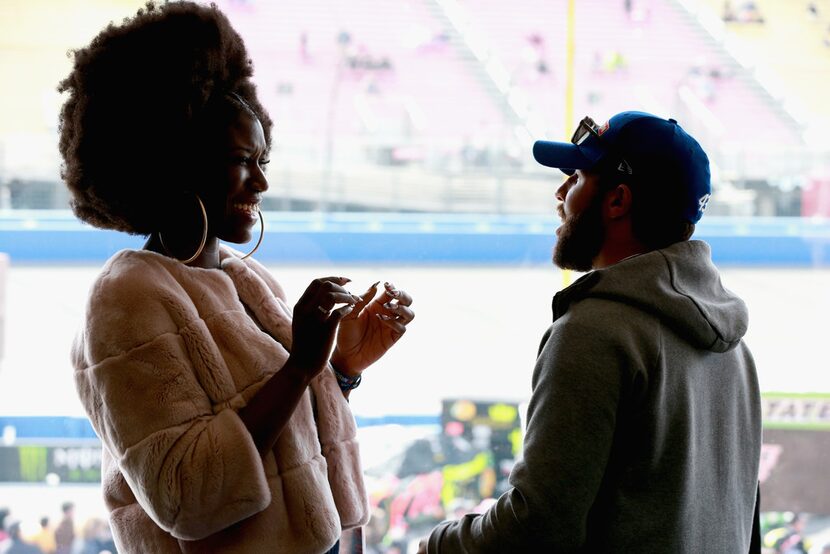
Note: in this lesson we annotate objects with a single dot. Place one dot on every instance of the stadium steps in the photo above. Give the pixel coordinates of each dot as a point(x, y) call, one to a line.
point(474, 63)
point(745, 76)
point(791, 45)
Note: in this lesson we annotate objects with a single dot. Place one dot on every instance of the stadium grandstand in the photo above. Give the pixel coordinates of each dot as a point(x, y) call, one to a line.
point(437, 101)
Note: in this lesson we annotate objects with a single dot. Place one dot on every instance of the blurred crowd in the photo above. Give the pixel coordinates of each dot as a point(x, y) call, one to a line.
point(402, 514)
point(65, 537)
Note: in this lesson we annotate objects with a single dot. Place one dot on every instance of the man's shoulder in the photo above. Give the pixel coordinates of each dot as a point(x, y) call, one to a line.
point(607, 315)
point(604, 327)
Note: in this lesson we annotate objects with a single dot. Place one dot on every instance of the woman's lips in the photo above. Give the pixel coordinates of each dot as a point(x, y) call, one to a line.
point(246, 212)
point(250, 209)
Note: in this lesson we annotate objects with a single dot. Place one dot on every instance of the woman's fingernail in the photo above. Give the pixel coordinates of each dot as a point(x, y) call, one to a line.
point(374, 286)
point(391, 290)
point(346, 279)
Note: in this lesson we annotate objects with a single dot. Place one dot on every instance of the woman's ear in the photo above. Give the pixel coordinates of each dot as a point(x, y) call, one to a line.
point(618, 201)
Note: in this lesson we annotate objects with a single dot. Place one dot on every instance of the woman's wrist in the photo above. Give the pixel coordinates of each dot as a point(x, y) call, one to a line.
point(299, 371)
point(339, 364)
point(346, 382)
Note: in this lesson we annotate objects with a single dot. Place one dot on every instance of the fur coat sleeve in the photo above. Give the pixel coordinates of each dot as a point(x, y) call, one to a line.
point(189, 460)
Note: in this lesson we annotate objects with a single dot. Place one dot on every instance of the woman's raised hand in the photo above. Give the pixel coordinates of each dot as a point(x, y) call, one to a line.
point(315, 321)
point(314, 328)
point(371, 328)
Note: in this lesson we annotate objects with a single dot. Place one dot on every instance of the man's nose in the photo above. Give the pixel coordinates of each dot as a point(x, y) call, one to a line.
point(562, 191)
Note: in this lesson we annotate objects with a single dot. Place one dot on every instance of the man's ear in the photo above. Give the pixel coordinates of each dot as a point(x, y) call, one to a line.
point(618, 201)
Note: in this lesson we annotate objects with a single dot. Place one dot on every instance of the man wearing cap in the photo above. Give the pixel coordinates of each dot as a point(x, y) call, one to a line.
point(644, 426)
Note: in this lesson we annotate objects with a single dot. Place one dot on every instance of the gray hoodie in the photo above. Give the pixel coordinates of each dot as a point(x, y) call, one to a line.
point(644, 426)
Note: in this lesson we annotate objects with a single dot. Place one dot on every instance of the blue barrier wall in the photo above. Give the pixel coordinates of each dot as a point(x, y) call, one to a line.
point(355, 238)
point(42, 428)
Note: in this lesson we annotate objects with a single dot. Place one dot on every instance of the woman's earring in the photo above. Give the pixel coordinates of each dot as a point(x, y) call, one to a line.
point(204, 235)
point(261, 234)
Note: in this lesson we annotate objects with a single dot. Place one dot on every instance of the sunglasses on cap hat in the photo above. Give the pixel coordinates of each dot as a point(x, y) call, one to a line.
point(588, 130)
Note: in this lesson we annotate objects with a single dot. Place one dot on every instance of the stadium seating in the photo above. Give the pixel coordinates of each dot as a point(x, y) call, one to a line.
point(792, 45)
point(321, 68)
point(624, 59)
point(424, 87)
point(355, 86)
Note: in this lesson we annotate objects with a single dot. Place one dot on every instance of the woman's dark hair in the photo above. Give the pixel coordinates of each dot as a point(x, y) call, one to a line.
point(657, 203)
point(146, 101)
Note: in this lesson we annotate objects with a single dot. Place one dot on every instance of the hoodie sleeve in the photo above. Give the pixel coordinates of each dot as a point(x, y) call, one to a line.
point(571, 423)
point(145, 365)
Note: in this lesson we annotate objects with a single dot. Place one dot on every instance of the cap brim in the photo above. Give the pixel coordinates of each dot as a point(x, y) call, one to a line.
point(561, 155)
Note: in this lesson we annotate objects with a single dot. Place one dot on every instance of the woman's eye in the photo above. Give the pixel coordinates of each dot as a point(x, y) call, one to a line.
point(247, 161)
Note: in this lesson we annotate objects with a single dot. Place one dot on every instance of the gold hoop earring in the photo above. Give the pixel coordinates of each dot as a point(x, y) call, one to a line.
point(204, 236)
point(261, 234)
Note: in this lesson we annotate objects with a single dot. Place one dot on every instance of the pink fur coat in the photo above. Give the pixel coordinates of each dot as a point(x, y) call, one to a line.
point(167, 357)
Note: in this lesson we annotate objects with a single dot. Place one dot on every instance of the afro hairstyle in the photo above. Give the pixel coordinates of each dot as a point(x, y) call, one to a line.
point(146, 99)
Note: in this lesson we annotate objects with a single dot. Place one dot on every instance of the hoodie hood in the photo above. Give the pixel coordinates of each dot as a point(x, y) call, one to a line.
point(678, 284)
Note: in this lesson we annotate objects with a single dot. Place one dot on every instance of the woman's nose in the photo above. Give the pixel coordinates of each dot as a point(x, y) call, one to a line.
point(259, 181)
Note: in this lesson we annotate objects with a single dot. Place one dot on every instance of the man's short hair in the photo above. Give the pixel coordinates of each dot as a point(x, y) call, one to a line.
point(657, 218)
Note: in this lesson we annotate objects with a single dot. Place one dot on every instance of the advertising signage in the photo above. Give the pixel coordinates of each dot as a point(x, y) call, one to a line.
point(795, 452)
point(50, 464)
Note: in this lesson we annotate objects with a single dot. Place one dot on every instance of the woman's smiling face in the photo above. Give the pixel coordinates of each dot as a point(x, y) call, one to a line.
point(245, 157)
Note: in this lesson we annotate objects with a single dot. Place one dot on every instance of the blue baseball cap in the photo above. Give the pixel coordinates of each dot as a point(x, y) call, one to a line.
point(637, 144)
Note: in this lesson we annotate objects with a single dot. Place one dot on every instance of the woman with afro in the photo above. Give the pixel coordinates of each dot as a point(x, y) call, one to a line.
point(223, 413)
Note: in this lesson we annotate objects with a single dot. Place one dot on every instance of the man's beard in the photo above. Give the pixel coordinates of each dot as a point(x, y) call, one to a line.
point(580, 238)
